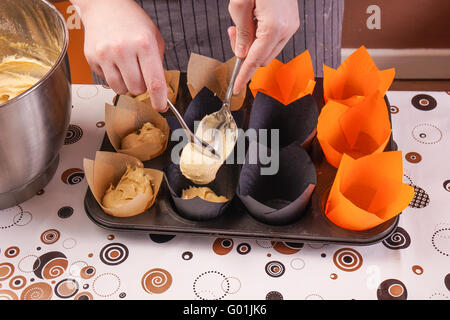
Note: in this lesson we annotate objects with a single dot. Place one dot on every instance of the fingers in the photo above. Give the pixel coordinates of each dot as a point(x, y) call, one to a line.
point(257, 57)
point(155, 81)
point(130, 70)
point(114, 78)
point(241, 11)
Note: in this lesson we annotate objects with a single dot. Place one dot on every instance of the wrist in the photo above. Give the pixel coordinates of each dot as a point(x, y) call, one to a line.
point(86, 6)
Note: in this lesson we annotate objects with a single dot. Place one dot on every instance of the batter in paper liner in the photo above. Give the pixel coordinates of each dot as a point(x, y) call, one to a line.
point(134, 182)
point(147, 134)
point(18, 74)
point(204, 193)
point(198, 164)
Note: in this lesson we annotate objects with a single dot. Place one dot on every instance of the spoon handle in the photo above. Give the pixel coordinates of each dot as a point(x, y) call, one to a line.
point(192, 137)
point(229, 93)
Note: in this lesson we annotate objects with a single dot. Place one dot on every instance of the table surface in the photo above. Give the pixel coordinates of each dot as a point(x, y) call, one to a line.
point(50, 249)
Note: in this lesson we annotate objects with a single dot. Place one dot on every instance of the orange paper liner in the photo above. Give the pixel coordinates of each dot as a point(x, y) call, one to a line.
point(357, 131)
point(357, 77)
point(285, 82)
point(368, 191)
point(107, 169)
point(128, 116)
point(207, 72)
point(173, 82)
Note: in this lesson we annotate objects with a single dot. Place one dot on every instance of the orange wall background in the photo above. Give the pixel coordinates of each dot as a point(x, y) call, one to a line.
point(79, 68)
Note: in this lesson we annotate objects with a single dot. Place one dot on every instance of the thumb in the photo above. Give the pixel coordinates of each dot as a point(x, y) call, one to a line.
point(242, 14)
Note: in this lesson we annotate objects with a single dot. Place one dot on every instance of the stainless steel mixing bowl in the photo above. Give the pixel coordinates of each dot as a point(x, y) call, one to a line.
point(33, 125)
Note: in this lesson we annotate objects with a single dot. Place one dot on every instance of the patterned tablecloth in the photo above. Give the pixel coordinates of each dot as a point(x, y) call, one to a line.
point(50, 249)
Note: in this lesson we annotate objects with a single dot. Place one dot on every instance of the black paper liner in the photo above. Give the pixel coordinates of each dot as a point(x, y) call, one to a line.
point(204, 103)
point(295, 122)
point(198, 209)
point(278, 199)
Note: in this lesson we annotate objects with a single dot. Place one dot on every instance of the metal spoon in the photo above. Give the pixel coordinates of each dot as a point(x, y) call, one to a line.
point(192, 137)
point(225, 121)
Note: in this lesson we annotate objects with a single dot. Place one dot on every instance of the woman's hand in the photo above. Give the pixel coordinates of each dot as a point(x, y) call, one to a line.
point(124, 47)
point(263, 27)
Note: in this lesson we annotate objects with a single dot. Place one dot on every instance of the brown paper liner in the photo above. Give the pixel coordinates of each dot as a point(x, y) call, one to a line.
point(368, 191)
point(173, 83)
point(107, 169)
point(357, 77)
point(357, 131)
point(128, 116)
point(207, 72)
point(285, 82)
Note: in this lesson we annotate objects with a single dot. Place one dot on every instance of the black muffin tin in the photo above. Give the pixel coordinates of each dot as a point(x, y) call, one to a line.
point(232, 219)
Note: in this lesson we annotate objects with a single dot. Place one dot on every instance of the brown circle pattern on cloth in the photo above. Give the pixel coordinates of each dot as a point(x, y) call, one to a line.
point(84, 296)
point(50, 236)
point(66, 288)
point(106, 284)
point(87, 272)
point(72, 176)
point(392, 289)
point(427, 133)
point(243, 248)
point(8, 295)
point(9, 217)
point(100, 124)
point(50, 265)
point(394, 109)
point(275, 269)
point(156, 281)
point(37, 291)
point(210, 285)
point(446, 185)
point(441, 234)
point(65, 212)
point(222, 246)
point(187, 255)
point(417, 270)
point(6, 270)
point(73, 134)
point(398, 240)
point(447, 281)
point(274, 295)
point(424, 102)
point(114, 253)
point(12, 252)
point(287, 247)
point(413, 157)
point(421, 198)
point(17, 282)
point(347, 259)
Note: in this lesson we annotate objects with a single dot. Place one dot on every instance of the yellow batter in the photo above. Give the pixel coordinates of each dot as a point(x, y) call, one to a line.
point(135, 181)
point(204, 192)
point(18, 74)
point(196, 163)
point(147, 134)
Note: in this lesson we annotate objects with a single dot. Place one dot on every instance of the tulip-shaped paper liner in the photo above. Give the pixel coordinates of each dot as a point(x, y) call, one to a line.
point(129, 116)
point(294, 122)
point(173, 83)
point(215, 75)
point(357, 77)
point(198, 209)
point(357, 131)
point(204, 103)
point(280, 198)
point(285, 82)
point(368, 191)
point(107, 169)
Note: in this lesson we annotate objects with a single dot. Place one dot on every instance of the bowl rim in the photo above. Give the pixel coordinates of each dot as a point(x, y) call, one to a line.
point(57, 63)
